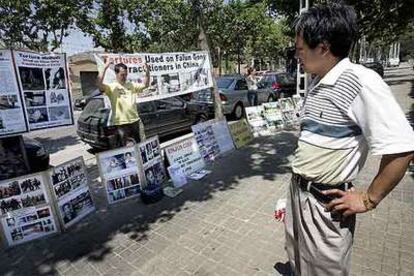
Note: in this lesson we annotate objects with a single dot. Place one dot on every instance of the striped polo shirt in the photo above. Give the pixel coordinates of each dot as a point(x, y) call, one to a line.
point(348, 112)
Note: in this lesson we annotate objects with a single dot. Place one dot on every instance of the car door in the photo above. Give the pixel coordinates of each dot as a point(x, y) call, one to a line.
point(240, 89)
point(148, 115)
point(263, 91)
point(171, 115)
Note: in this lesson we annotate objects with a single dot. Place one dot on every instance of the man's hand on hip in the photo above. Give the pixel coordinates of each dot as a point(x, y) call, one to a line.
point(346, 202)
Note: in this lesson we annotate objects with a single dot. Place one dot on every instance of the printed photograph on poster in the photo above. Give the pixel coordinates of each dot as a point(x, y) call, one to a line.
point(31, 78)
point(120, 173)
point(241, 133)
point(22, 193)
point(149, 150)
point(154, 175)
point(33, 99)
point(76, 208)
point(37, 115)
point(59, 113)
point(9, 102)
point(257, 122)
point(28, 226)
point(273, 115)
point(194, 79)
point(170, 83)
point(2, 126)
point(57, 98)
point(55, 78)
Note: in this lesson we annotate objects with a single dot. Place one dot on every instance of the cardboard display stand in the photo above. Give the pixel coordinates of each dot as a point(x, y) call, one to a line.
point(257, 122)
point(26, 209)
point(185, 155)
point(241, 133)
point(213, 138)
point(153, 170)
point(70, 190)
point(120, 172)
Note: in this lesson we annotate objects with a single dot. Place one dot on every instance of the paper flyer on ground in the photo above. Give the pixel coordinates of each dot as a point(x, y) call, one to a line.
point(12, 119)
point(152, 163)
point(171, 74)
point(186, 155)
point(241, 133)
point(119, 171)
point(25, 209)
point(44, 85)
point(70, 187)
point(257, 122)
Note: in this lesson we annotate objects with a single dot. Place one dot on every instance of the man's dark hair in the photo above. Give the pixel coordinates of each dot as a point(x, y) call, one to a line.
point(118, 67)
point(334, 24)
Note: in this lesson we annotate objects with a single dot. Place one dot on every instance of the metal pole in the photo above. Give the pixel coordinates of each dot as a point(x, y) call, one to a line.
point(302, 78)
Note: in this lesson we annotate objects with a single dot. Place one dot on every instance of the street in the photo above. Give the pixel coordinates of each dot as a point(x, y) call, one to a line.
point(221, 225)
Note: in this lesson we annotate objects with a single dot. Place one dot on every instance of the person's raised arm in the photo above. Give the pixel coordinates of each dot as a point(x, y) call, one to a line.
point(101, 76)
point(147, 75)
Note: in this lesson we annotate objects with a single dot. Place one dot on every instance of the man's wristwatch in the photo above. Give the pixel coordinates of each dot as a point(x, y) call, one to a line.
point(368, 203)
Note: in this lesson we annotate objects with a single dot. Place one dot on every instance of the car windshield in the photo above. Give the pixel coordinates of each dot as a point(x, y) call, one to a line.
point(93, 107)
point(224, 83)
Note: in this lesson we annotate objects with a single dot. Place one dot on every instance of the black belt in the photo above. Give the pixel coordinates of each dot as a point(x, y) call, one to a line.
point(316, 188)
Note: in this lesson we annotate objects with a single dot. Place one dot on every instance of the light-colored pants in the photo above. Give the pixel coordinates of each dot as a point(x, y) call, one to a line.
point(316, 244)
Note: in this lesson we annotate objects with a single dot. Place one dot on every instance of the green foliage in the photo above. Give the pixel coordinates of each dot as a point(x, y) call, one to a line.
point(38, 24)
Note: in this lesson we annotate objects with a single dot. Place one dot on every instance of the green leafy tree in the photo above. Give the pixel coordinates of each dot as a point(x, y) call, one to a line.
point(39, 25)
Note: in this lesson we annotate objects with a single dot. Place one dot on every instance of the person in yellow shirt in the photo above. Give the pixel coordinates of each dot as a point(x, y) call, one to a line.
point(123, 96)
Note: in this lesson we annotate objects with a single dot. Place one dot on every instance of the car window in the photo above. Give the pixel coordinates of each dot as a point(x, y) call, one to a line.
point(146, 107)
point(281, 78)
point(224, 82)
point(241, 85)
point(93, 108)
point(170, 103)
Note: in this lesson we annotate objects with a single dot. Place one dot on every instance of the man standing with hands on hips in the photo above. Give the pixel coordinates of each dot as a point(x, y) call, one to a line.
point(123, 97)
point(348, 111)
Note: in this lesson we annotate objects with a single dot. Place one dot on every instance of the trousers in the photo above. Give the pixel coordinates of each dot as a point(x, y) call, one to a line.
point(317, 243)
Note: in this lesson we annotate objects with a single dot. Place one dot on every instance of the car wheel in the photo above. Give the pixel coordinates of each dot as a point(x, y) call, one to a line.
point(271, 98)
point(238, 111)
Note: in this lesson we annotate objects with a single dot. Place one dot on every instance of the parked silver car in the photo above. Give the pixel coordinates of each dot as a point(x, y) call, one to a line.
point(234, 95)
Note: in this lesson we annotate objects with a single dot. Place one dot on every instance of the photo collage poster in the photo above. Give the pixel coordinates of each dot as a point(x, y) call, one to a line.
point(171, 74)
point(26, 212)
point(43, 80)
point(273, 115)
point(12, 118)
point(185, 155)
point(152, 163)
point(257, 122)
point(119, 171)
point(241, 133)
point(206, 140)
point(288, 112)
point(71, 191)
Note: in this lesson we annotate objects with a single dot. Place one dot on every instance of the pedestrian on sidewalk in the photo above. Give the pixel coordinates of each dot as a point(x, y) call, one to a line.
point(251, 86)
point(123, 97)
point(348, 111)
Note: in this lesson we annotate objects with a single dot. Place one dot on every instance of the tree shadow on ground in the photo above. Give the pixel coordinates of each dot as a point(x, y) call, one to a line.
point(94, 237)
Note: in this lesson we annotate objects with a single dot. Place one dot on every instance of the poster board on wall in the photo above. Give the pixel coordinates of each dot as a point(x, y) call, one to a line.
point(69, 183)
point(120, 172)
point(26, 209)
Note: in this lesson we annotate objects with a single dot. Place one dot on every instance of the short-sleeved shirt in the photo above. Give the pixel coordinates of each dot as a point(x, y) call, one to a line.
point(348, 112)
point(123, 100)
